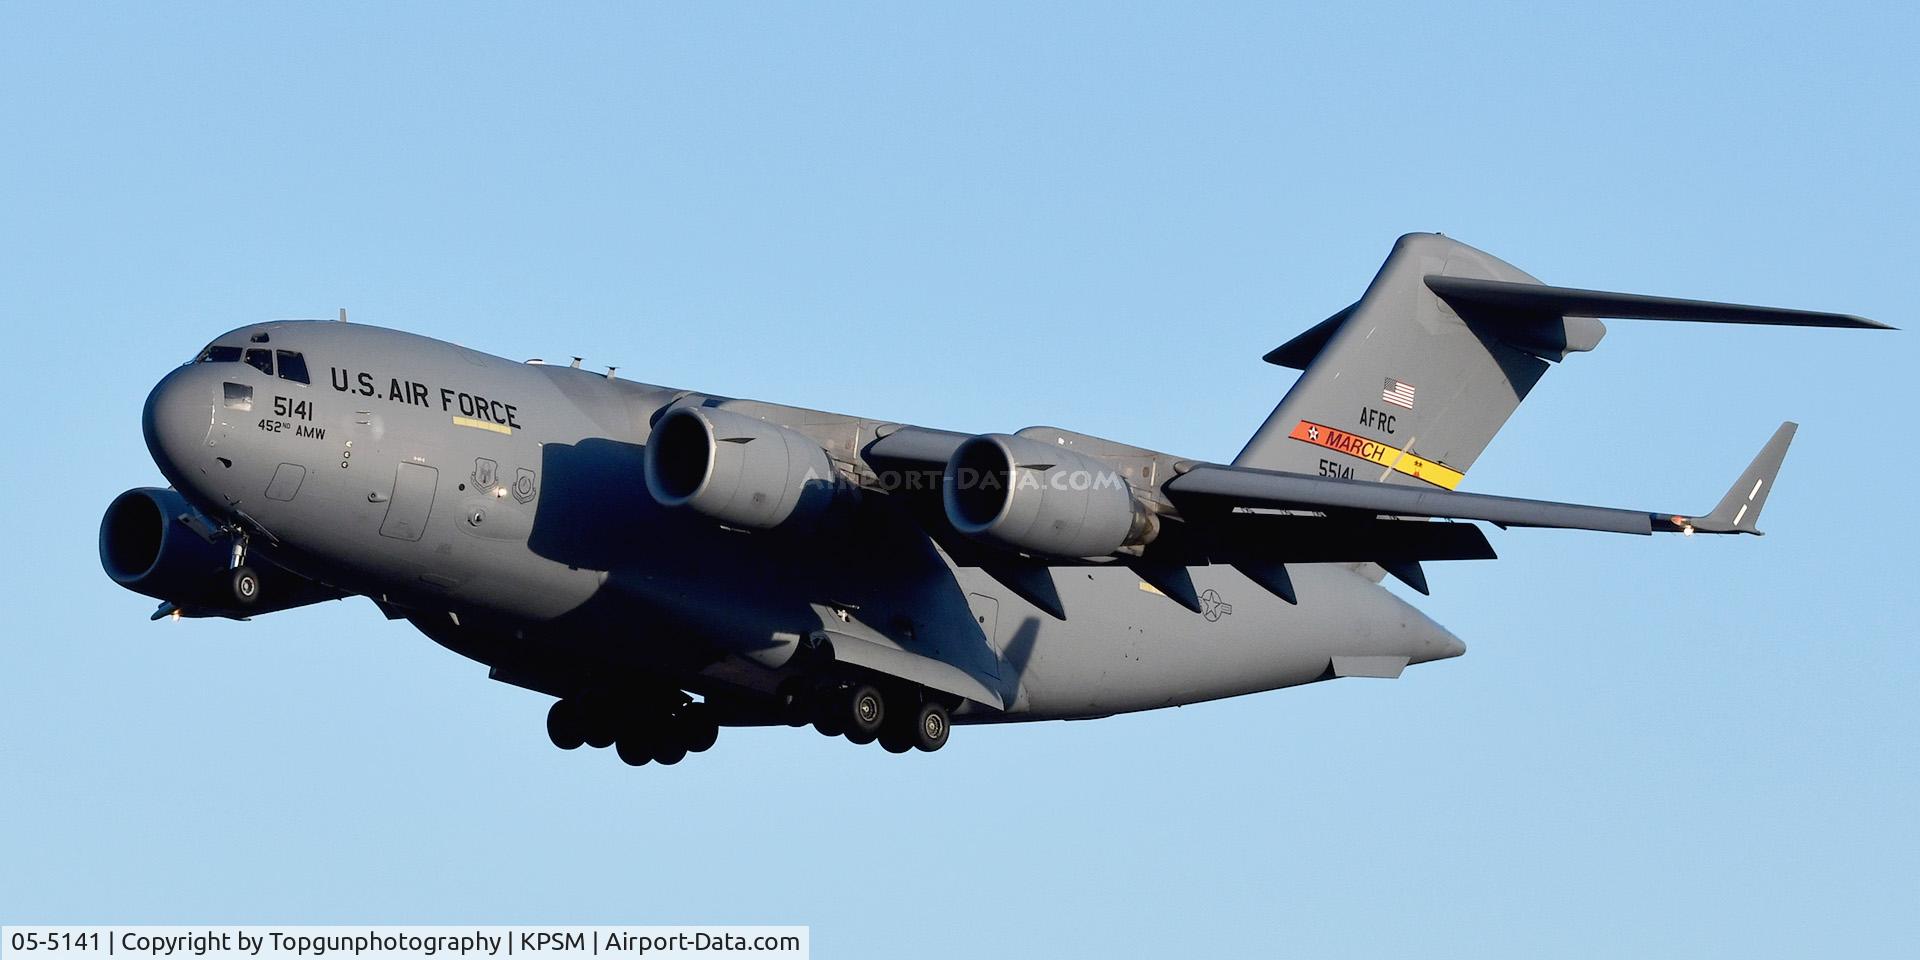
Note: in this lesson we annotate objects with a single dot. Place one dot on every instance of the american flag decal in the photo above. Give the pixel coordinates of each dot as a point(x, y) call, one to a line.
point(1397, 393)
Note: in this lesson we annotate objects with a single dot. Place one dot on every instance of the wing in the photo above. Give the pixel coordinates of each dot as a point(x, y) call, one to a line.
point(1211, 486)
point(1258, 521)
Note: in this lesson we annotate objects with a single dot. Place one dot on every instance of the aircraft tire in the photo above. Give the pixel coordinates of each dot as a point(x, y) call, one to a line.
point(246, 585)
point(635, 749)
point(931, 725)
point(669, 750)
point(895, 740)
point(598, 728)
point(564, 725)
point(865, 711)
point(698, 728)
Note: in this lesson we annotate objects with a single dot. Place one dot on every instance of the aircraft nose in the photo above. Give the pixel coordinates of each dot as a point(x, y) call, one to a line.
point(176, 421)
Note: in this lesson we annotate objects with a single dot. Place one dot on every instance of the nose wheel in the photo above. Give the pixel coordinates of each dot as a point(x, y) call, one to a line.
point(244, 580)
point(246, 586)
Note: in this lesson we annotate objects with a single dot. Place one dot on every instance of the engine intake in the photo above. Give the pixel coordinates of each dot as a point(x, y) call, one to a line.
point(1019, 493)
point(147, 549)
point(739, 470)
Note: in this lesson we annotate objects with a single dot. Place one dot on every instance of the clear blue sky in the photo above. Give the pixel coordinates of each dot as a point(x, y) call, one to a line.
point(972, 217)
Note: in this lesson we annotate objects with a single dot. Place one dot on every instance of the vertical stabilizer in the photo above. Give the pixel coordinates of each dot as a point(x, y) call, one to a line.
point(1399, 387)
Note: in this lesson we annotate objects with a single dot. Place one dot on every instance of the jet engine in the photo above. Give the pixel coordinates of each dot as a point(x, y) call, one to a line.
point(740, 471)
point(147, 547)
point(1040, 498)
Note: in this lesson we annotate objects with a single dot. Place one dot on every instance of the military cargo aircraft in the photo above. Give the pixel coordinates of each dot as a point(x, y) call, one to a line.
point(667, 562)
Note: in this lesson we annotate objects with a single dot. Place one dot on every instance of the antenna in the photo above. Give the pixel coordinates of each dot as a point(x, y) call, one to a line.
point(610, 369)
point(343, 315)
point(575, 364)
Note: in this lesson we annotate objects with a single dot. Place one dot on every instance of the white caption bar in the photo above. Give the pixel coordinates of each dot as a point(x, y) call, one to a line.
point(22, 942)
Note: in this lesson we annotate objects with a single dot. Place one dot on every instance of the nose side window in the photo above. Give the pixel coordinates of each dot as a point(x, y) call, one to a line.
point(219, 354)
point(293, 366)
point(261, 360)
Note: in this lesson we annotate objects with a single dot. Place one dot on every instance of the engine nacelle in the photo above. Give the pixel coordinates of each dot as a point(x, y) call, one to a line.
point(1041, 498)
point(147, 548)
point(739, 470)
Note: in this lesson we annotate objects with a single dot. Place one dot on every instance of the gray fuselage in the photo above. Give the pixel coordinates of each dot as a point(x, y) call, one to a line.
point(501, 506)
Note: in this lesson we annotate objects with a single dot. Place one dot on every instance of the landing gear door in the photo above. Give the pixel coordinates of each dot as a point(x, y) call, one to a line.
point(412, 501)
point(986, 613)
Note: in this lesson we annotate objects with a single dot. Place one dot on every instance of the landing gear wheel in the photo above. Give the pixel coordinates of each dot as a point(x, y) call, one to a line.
point(246, 586)
point(896, 740)
point(635, 749)
point(829, 713)
point(864, 710)
point(698, 728)
point(930, 727)
point(669, 750)
point(598, 728)
point(564, 725)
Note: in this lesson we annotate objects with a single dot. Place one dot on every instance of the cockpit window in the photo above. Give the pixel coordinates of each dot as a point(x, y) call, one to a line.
point(238, 396)
point(220, 354)
point(261, 360)
point(293, 366)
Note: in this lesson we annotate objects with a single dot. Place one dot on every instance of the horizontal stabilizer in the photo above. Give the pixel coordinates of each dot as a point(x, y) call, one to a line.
point(1527, 300)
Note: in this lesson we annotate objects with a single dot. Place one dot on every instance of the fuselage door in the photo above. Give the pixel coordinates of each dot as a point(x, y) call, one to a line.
point(412, 501)
point(986, 613)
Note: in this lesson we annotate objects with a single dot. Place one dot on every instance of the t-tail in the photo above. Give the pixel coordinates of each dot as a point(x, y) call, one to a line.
point(1410, 383)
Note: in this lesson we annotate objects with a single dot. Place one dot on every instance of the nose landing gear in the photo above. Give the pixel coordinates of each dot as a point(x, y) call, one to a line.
point(244, 581)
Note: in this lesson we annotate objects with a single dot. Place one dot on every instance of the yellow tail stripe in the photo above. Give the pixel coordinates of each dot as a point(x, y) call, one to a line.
point(1340, 441)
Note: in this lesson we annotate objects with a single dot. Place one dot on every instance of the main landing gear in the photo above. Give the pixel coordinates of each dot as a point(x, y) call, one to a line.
point(645, 729)
point(640, 732)
point(900, 719)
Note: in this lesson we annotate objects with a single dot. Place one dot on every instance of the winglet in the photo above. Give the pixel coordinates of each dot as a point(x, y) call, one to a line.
point(1739, 510)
